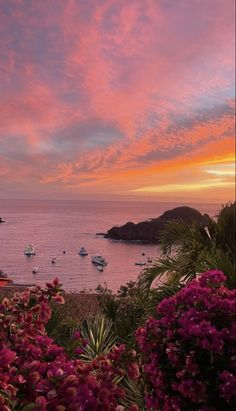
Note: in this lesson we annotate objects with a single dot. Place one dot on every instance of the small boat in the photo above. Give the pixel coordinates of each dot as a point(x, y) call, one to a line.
point(35, 270)
point(98, 260)
point(140, 263)
point(149, 260)
point(4, 280)
point(64, 251)
point(29, 250)
point(100, 267)
point(83, 252)
point(2, 220)
point(143, 253)
point(53, 261)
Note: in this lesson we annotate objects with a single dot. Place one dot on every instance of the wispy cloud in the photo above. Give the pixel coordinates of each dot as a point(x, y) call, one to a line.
point(110, 95)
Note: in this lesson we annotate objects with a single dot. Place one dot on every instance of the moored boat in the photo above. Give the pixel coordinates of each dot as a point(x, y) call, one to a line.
point(83, 252)
point(142, 263)
point(98, 260)
point(29, 250)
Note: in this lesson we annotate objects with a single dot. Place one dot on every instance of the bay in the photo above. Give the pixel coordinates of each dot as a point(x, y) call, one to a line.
point(57, 225)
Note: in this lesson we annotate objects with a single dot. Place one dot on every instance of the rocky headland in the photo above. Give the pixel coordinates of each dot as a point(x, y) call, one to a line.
point(149, 231)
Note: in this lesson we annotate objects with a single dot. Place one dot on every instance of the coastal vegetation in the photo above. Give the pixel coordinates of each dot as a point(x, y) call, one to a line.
point(188, 249)
point(182, 358)
point(163, 343)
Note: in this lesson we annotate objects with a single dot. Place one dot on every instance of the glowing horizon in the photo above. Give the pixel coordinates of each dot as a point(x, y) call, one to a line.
point(117, 99)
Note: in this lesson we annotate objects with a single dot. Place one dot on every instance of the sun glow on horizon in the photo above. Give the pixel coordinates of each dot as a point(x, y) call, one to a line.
point(166, 188)
point(226, 169)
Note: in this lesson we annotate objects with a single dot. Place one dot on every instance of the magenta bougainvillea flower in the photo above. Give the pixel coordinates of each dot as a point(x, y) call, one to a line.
point(187, 356)
point(189, 348)
point(36, 374)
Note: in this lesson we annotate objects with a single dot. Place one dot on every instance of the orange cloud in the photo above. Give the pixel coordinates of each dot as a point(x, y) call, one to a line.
point(113, 96)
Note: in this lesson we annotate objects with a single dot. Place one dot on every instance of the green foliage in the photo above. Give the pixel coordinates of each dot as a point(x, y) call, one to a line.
point(66, 318)
point(129, 289)
point(135, 393)
point(188, 249)
point(124, 314)
point(128, 309)
point(100, 338)
point(54, 322)
point(226, 230)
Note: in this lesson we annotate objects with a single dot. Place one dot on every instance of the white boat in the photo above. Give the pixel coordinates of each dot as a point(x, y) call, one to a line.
point(100, 267)
point(98, 260)
point(140, 263)
point(82, 251)
point(29, 250)
point(35, 270)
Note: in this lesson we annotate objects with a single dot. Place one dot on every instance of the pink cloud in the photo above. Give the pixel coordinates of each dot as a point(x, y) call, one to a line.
point(157, 76)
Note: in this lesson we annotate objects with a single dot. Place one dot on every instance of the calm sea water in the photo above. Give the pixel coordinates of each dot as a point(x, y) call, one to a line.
point(54, 226)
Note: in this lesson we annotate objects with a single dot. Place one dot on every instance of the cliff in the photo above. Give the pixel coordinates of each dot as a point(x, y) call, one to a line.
point(149, 231)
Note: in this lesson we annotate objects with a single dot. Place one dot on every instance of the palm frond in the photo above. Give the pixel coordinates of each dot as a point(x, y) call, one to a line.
point(226, 229)
point(181, 267)
point(180, 235)
point(134, 393)
point(191, 248)
point(216, 258)
point(99, 336)
point(56, 319)
point(160, 268)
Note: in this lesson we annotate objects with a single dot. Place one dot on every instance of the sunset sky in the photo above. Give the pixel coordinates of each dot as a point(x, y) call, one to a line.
point(117, 99)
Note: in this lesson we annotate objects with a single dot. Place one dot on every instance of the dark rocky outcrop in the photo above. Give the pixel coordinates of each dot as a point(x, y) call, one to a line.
point(149, 231)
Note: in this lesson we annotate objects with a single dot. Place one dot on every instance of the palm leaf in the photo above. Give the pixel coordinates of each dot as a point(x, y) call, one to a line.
point(222, 261)
point(160, 268)
point(190, 248)
point(99, 336)
point(56, 319)
point(180, 235)
point(226, 229)
point(134, 393)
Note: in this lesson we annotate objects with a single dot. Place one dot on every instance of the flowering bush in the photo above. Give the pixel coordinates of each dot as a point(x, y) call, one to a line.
point(36, 374)
point(189, 349)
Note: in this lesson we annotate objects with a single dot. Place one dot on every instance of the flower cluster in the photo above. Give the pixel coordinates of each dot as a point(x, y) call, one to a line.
point(36, 374)
point(189, 348)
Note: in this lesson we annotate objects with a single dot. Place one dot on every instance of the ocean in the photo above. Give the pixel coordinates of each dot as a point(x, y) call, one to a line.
point(57, 225)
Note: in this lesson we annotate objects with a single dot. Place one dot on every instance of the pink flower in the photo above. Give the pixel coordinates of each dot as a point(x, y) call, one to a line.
point(59, 299)
point(133, 407)
point(45, 312)
point(6, 357)
point(77, 335)
point(56, 282)
point(133, 371)
point(189, 354)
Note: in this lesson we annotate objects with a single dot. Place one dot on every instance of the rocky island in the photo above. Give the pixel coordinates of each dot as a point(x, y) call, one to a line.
point(148, 231)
